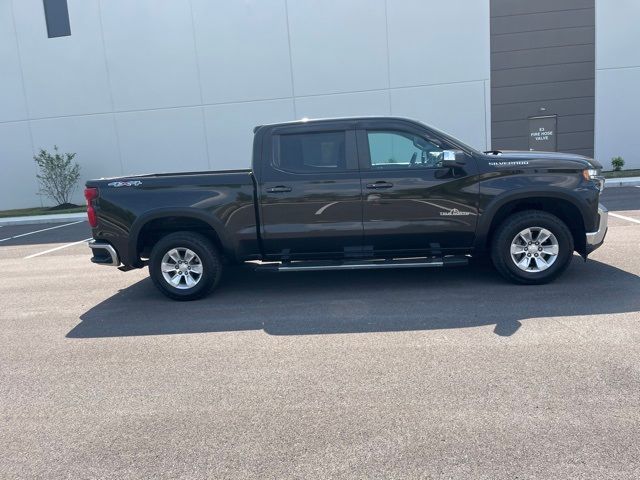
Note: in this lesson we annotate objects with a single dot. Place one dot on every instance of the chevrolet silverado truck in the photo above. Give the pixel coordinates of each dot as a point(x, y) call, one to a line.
point(351, 193)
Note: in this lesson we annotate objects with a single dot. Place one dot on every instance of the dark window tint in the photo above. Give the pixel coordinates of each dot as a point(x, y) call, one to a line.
point(56, 14)
point(311, 152)
point(402, 150)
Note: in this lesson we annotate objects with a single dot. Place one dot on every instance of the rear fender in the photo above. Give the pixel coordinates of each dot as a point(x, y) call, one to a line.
point(141, 221)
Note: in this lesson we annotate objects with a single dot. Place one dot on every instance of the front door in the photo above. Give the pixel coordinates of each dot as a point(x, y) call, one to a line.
point(411, 203)
point(310, 194)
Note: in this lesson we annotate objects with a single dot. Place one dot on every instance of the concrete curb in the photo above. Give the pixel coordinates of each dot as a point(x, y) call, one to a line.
point(37, 219)
point(622, 182)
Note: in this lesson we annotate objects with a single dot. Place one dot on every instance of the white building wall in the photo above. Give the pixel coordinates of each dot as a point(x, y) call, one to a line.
point(158, 85)
point(617, 82)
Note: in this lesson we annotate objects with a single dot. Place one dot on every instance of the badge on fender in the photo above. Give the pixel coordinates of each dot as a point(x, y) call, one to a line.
point(130, 183)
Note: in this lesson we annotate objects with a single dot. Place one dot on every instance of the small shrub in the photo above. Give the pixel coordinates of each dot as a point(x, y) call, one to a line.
point(57, 175)
point(617, 163)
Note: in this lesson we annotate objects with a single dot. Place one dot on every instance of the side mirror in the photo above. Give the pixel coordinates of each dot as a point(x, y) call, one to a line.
point(453, 158)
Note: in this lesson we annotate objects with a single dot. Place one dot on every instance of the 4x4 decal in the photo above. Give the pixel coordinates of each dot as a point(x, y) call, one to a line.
point(131, 183)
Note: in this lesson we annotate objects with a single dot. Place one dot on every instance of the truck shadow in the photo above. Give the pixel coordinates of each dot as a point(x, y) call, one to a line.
point(361, 302)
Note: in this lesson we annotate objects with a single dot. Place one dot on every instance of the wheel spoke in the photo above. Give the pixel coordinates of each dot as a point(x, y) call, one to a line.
point(168, 267)
point(517, 249)
point(526, 235)
point(189, 280)
point(543, 235)
point(197, 268)
point(541, 263)
point(175, 280)
point(524, 262)
point(188, 255)
point(550, 249)
point(175, 256)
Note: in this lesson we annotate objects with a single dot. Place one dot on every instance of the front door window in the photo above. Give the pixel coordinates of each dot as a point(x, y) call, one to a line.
point(391, 150)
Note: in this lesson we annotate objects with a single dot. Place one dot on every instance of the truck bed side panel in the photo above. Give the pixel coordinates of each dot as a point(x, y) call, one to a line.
point(224, 201)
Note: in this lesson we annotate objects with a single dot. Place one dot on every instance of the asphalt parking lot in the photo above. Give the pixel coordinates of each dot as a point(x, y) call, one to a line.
point(388, 374)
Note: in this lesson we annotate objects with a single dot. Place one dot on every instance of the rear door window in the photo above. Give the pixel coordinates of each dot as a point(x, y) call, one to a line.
point(314, 152)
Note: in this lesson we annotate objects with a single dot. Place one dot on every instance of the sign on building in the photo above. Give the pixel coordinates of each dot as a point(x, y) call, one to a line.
point(542, 133)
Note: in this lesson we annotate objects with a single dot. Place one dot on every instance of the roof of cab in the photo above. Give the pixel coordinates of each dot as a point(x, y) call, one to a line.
point(332, 119)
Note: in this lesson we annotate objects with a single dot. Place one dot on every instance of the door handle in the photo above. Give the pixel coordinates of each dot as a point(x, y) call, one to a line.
point(380, 184)
point(279, 189)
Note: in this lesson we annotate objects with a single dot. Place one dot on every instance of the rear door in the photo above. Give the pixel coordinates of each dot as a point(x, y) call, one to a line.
point(310, 193)
point(411, 203)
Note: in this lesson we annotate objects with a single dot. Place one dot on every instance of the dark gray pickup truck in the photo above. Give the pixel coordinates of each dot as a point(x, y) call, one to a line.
point(375, 192)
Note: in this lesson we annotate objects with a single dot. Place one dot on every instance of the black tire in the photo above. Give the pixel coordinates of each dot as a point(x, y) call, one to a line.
point(209, 259)
point(507, 231)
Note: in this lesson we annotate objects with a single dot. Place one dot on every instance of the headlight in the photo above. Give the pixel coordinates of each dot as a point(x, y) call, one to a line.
point(591, 174)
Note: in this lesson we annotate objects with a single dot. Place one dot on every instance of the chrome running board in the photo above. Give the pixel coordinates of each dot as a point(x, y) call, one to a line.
point(305, 266)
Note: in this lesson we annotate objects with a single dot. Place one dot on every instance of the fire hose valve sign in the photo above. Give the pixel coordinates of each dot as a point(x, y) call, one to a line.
point(542, 133)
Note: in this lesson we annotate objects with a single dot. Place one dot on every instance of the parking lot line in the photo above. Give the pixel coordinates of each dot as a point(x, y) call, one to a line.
point(57, 248)
point(42, 230)
point(622, 217)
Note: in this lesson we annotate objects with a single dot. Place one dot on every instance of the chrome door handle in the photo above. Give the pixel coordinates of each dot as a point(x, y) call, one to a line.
point(378, 185)
point(279, 189)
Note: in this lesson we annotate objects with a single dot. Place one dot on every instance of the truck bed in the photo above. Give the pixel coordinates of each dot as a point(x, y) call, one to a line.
point(130, 207)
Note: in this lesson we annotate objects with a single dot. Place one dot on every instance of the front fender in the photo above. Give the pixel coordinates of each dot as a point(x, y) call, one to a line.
point(584, 200)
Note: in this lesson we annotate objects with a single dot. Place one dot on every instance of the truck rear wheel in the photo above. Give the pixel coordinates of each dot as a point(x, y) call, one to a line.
point(185, 265)
point(532, 247)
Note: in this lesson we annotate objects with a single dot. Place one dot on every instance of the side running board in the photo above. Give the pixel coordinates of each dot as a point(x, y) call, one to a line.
point(419, 262)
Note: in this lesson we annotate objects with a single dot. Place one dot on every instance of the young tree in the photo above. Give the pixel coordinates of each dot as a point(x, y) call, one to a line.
point(57, 175)
point(617, 163)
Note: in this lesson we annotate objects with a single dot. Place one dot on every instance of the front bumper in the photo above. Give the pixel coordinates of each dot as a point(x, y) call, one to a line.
point(104, 253)
point(595, 239)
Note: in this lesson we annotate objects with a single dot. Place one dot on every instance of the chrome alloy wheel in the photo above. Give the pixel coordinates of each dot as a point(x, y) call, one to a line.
point(181, 268)
point(534, 249)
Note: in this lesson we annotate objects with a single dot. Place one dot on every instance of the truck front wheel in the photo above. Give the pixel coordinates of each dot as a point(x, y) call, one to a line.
point(185, 265)
point(532, 247)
